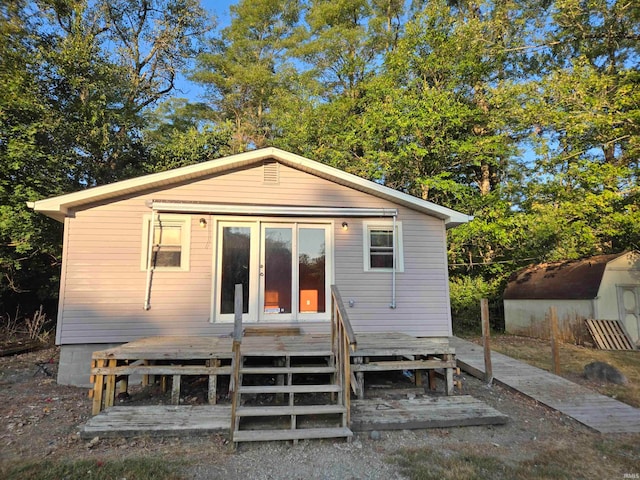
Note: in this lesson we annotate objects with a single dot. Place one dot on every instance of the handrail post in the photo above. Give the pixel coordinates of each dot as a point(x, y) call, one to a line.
point(237, 340)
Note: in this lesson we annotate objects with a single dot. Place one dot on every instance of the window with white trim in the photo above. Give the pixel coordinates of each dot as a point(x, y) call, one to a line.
point(379, 246)
point(171, 242)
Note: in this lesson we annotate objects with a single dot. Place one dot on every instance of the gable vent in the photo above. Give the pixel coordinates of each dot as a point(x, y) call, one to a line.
point(271, 172)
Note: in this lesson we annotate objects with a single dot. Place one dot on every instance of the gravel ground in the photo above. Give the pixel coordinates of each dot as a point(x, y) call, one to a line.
point(41, 419)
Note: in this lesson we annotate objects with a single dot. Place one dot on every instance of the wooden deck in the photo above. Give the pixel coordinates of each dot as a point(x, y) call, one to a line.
point(158, 420)
point(599, 412)
point(208, 348)
point(417, 413)
point(172, 357)
point(370, 414)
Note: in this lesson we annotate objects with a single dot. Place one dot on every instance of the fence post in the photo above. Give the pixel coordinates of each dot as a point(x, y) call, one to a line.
point(555, 346)
point(486, 331)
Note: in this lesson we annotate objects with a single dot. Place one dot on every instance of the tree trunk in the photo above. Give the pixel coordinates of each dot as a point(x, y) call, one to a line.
point(485, 179)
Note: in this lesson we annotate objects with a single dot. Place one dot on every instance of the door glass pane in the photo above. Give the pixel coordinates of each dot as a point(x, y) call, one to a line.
point(236, 249)
point(311, 268)
point(277, 270)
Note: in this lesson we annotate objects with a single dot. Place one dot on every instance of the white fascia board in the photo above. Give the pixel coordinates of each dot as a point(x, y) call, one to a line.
point(57, 207)
point(53, 205)
point(269, 210)
point(451, 217)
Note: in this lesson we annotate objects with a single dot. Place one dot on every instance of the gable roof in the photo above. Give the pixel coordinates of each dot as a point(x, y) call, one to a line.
point(58, 207)
point(569, 280)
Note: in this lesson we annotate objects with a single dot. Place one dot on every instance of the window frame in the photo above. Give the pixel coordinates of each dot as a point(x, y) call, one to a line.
point(184, 222)
point(398, 248)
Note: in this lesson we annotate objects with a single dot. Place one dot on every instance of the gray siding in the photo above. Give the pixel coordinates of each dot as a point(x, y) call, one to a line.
point(103, 287)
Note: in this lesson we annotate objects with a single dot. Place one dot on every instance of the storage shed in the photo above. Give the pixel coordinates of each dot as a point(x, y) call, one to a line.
point(604, 287)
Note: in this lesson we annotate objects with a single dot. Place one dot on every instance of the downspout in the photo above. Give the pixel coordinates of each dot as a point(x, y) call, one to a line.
point(393, 270)
point(152, 231)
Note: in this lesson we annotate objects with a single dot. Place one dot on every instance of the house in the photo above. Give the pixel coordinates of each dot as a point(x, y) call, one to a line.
point(159, 255)
point(604, 287)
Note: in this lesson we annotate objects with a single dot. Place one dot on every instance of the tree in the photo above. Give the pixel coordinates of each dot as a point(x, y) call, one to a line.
point(588, 115)
point(178, 135)
point(247, 66)
point(76, 79)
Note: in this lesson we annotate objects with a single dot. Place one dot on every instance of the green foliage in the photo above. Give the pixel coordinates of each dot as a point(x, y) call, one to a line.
point(245, 68)
point(179, 134)
point(75, 80)
point(466, 293)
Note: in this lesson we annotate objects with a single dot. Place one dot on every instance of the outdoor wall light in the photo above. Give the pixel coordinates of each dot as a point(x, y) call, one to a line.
point(345, 226)
point(203, 223)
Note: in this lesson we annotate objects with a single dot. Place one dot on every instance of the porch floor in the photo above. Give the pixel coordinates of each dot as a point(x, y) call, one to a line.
point(208, 348)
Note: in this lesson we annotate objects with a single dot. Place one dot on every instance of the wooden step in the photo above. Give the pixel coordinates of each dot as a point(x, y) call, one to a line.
point(290, 410)
point(277, 353)
point(402, 365)
point(299, 434)
point(288, 388)
point(284, 370)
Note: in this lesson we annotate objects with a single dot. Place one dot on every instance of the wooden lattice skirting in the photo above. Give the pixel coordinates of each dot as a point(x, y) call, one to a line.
point(609, 335)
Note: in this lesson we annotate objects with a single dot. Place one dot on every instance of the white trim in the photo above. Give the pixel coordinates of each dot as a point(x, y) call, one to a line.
point(59, 207)
point(183, 221)
point(366, 242)
point(63, 280)
point(256, 286)
point(269, 210)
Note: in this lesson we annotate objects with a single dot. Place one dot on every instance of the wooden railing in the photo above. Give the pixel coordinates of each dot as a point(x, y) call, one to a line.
point(234, 381)
point(343, 341)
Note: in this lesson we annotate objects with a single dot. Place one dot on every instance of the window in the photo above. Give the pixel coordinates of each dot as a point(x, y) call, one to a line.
point(171, 241)
point(379, 246)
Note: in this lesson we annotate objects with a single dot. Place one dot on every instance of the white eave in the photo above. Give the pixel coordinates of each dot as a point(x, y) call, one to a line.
point(58, 207)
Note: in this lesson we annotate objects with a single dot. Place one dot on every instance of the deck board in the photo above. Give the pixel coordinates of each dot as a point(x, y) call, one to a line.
point(599, 412)
point(206, 348)
point(370, 414)
point(428, 412)
point(159, 420)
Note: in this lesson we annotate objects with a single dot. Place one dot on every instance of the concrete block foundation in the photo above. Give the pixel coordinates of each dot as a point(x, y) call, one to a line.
point(74, 367)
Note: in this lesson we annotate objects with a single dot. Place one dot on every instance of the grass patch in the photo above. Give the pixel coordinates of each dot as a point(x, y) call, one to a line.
point(601, 458)
point(130, 468)
point(429, 464)
point(573, 358)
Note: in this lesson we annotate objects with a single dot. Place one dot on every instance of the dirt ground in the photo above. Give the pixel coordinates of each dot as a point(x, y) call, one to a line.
point(41, 420)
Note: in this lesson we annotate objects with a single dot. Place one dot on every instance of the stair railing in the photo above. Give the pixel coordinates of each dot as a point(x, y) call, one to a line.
point(343, 341)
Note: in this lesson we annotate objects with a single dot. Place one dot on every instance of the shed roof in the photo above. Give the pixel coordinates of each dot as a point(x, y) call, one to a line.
point(58, 207)
point(568, 280)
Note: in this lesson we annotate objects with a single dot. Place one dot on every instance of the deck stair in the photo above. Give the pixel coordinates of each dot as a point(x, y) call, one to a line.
point(291, 396)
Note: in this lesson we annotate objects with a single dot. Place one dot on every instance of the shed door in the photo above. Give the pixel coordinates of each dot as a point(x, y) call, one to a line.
point(629, 308)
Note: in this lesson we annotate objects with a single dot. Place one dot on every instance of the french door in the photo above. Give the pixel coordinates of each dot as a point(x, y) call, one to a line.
point(285, 270)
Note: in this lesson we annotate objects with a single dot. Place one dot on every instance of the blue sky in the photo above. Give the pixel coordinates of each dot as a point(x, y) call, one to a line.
point(220, 10)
